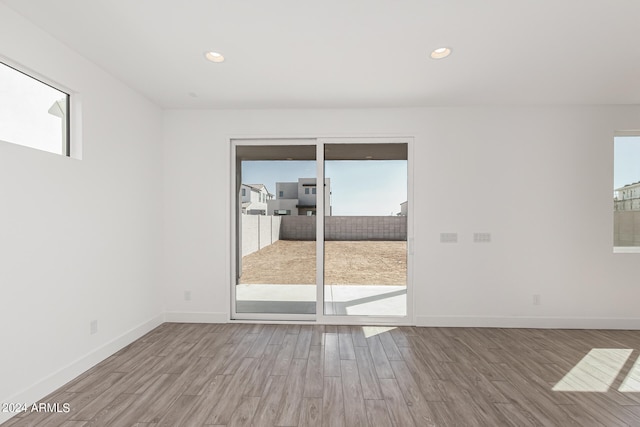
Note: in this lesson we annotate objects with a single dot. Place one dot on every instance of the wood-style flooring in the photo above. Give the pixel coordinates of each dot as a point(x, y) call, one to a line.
point(315, 375)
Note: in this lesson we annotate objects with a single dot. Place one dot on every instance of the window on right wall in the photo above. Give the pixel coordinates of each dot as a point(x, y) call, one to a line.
point(626, 192)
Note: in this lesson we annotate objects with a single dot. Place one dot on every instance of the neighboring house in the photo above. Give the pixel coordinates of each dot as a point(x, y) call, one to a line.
point(59, 109)
point(299, 198)
point(627, 198)
point(403, 209)
point(254, 199)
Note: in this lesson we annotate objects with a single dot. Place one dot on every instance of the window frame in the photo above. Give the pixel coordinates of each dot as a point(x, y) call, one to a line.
point(66, 149)
point(626, 195)
point(234, 236)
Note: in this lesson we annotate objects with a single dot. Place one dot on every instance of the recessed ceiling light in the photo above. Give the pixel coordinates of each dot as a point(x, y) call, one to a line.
point(368, 157)
point(214, 56)
point(441, 52)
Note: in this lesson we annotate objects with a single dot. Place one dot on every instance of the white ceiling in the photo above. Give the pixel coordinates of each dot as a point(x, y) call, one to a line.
point(356, 53)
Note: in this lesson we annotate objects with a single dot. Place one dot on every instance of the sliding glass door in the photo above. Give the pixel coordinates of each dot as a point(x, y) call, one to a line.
point(320, 230)
point(275, 231)
point(365, 233)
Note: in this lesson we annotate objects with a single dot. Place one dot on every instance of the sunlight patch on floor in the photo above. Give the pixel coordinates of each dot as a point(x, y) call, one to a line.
point(596, 371)
point(370, 331)
point(631, 383)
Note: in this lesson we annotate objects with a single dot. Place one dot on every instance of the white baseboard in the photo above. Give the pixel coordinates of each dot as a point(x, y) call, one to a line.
point(58, 379)
point(528, 322)
point(195, 317)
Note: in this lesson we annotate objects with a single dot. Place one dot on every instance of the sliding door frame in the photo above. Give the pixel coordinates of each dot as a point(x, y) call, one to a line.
point(235, 230)
point(320, 317)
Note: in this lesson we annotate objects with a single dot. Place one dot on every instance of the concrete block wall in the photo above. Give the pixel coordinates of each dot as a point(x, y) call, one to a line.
point(272, 224)
point(295, 227)
point(259, 231)
point(626, 228)
point(346, 228)
point(365, 228)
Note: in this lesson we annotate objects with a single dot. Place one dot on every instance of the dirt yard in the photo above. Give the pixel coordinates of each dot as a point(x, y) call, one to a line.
point(346, 263)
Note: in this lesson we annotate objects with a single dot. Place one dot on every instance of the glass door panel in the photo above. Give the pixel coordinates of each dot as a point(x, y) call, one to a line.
point(276, 230)
point(365, 229)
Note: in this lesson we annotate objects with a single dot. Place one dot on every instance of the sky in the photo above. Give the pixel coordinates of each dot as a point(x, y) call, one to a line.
point(365, 187)
point(626, 160)
point(24, 112)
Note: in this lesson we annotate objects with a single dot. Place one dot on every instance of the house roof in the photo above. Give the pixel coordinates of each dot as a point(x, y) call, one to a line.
point(628, 186)
point(364, 53)
point(258, 187)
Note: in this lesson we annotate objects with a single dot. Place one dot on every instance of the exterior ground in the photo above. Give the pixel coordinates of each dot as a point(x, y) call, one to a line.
point(346, 263)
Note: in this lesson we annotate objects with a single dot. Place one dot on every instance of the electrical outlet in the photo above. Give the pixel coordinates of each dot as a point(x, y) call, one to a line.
point(93, 327)
point(482, 237)
point(187, 295)
point(536, 299)
point(448, 237)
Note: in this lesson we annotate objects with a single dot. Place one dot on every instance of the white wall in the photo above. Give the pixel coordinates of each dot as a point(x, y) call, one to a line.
point(541, 243)
point(79, 239)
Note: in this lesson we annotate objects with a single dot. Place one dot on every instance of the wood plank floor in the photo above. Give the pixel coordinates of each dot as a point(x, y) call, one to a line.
point(315, 375)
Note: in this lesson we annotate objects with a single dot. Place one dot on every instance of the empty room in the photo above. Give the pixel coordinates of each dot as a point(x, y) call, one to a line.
point(289, 213)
